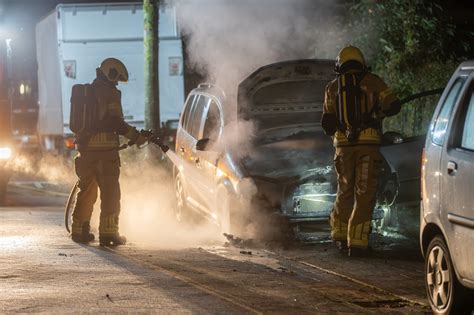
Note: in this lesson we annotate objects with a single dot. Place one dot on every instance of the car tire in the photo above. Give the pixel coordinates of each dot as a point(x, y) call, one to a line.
point(445, 294)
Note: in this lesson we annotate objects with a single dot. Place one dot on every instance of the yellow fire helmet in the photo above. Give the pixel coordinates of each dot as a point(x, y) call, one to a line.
point(114, 70)
point(349, 53)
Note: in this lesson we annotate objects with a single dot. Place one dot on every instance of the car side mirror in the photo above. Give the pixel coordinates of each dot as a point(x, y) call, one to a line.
point(202, 144)
point(392, 137)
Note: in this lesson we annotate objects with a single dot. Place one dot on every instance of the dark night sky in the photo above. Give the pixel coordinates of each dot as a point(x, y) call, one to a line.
point(20, 17)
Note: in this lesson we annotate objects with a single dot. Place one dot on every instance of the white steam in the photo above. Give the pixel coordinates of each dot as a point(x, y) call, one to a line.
point(148, 217)
point(54, 169)
point(228, 39)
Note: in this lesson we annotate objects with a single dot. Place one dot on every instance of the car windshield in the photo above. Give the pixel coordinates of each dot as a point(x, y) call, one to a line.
point(414, 118)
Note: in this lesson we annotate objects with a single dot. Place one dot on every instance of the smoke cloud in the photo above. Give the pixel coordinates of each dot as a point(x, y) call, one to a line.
point(54, 169)
point(227, 40)
point(148, 204)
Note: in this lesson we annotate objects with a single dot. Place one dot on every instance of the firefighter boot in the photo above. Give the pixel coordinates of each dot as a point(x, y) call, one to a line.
point(108, 230)
point(112, 240)
point(338, 232)
point(342, 246)
point(85, 236)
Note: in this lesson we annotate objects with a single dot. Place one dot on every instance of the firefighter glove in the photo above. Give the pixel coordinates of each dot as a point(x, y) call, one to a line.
point(140, 139)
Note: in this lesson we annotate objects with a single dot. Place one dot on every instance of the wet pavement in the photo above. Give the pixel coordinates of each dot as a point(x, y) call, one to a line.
point(41, 270)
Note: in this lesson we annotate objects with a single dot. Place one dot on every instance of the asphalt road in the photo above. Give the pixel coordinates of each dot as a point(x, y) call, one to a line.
point(42, 270)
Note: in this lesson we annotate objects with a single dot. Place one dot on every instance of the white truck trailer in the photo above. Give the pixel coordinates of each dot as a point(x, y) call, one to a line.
point(75, 38)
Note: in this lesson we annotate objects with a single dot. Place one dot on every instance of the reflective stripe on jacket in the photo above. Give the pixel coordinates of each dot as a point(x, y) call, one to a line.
point(380, 101)
point(109, 102)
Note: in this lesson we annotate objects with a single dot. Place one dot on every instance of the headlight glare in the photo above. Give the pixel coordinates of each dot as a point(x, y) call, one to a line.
point(5, 153)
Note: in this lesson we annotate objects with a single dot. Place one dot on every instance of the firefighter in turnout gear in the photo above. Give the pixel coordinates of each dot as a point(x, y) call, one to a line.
point(355, 104)
point(98, 163)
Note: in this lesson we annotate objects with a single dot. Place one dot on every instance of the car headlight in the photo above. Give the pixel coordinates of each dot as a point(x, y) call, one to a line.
point(5, 153)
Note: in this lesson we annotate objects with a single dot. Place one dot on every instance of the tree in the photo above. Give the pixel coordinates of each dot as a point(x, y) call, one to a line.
point(415, 46)
point(151, 49)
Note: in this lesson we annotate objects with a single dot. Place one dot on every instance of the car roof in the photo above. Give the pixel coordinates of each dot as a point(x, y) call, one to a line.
point(209, 88)
point(466, 66)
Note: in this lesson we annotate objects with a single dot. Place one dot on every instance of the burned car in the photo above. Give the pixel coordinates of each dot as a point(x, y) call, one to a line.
point(284, 164)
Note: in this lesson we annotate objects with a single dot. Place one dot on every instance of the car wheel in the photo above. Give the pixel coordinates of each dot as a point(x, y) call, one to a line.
point(445, 294)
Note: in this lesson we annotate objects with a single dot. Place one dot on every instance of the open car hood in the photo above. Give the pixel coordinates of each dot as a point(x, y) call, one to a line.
point(293, 159)
point(285, 101)
point(289, 92)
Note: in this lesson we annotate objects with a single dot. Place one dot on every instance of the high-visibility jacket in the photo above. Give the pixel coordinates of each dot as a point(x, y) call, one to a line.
point(377, 98)
point(109, 105)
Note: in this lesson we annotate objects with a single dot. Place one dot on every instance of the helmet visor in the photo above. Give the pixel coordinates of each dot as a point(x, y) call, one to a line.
point(122, 78)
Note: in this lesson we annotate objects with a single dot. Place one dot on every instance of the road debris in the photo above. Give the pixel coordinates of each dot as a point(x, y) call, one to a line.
point(109, 298)
point(239, 242)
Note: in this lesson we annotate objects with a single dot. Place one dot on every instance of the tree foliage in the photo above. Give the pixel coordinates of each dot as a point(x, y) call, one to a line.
point(415, 46)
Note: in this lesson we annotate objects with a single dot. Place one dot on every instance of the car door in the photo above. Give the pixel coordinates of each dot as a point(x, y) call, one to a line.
point(193, 177)
point(207, 158)
point(182, 135)
point(457, 173)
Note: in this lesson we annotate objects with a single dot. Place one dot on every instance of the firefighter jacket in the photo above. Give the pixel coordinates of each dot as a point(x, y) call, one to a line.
point(377, 99)
point(109, 104)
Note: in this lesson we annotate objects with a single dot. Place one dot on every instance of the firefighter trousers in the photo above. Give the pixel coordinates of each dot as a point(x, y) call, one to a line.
point(97, 170)
point(358, 169)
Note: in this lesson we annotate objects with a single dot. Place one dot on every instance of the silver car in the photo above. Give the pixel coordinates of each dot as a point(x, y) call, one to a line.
point(447, 207)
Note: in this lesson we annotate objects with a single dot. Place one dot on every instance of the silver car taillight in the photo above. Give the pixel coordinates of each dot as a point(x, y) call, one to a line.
point(424, 160)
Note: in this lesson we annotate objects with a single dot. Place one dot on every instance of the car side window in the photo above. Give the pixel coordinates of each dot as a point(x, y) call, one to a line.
point(195, 121)
point(441, 123)
point(187, 110)
point(467, 140)
point(212, 124)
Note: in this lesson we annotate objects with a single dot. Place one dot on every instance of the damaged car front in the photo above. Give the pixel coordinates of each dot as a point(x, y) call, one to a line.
point(291, 162)
point(278, 160)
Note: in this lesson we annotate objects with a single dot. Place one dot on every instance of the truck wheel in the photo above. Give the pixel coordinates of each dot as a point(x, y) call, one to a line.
point(445, 294)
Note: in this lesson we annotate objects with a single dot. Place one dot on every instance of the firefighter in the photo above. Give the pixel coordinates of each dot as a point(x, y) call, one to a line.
point(355, 104)
point(98, 163)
